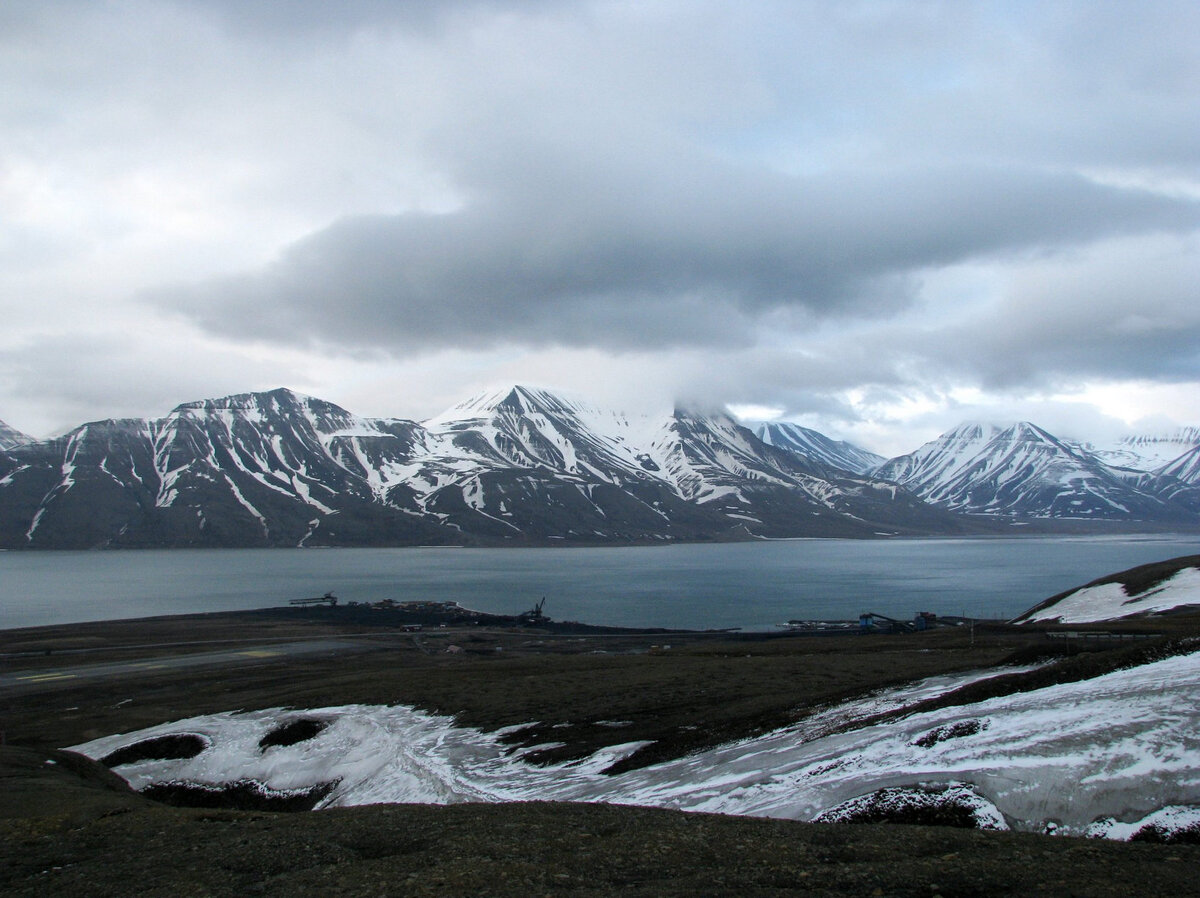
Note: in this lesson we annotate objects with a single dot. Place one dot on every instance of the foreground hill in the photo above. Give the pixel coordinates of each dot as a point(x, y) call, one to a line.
point(1149, 589)
point(518, 466)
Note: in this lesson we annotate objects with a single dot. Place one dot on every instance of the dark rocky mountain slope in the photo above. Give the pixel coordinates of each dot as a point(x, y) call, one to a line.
point(518, 466)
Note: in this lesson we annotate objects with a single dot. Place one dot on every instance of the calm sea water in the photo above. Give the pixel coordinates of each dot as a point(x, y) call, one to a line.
point(749, 585)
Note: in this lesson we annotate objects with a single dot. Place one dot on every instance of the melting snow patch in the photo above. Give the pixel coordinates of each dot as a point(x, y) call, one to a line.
point(1172, 825)
point(1126, 743)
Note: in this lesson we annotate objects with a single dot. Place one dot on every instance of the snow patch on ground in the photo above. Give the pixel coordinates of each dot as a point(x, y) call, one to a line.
point(1110, 601)
point(1175, 823)
point(1120, 747)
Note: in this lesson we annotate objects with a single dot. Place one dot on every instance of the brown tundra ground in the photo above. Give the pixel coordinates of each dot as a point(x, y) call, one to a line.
point(71, 827)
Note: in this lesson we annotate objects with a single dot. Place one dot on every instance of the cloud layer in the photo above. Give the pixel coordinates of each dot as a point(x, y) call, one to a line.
point(843, 210)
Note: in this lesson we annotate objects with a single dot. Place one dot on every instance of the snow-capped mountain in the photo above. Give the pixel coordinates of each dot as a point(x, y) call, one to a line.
point(1146, 452)
point(10, 436)
point(253, 469)
point(527, 467)
point(1177, 482)
point(1024, 471)
point(516, 465)
point(817, 446)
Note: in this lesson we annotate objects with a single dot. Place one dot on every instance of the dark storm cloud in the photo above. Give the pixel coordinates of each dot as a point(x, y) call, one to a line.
point(639, 263)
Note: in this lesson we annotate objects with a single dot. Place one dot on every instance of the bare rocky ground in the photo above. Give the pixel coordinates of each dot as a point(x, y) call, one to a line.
point(71, 827)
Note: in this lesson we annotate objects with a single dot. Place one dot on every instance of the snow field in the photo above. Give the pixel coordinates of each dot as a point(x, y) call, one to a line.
point(1110, 601)
point(1095, 757)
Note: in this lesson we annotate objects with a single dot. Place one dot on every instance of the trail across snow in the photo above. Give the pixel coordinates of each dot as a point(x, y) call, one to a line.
point(1095, 756)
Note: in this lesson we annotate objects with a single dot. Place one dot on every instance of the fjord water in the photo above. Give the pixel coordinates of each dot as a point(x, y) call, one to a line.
point(748, 585)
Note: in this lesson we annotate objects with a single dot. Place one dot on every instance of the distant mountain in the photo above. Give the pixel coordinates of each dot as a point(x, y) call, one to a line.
point(521, 466)
point(1023, 471)
point(817, 446)
point(1178, 481)
point(1146, 452)
point(248, 470)
point(516, 466)
point(10, 436)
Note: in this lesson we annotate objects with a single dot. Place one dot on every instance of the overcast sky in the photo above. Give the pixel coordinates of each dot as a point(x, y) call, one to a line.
point(877, 219)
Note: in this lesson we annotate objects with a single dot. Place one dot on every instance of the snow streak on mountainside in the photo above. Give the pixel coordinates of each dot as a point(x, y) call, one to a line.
point(817, 446)
point(514, 466)
point(1024, 471)
point(10, 436)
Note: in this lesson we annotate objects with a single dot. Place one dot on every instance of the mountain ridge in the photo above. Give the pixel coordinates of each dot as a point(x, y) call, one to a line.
point(518, 466)
point(526, 466)
point(1025, 471)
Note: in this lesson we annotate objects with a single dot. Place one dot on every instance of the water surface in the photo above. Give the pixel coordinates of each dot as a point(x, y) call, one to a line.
point(749, 585)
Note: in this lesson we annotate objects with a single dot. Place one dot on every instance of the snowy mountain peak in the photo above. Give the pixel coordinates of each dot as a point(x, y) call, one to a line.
point(942, 458)
point(514, 399)
point(1024, 471)
point(274, 408)
point(974, 431)
point(1184, 435)
point(1186, 467)
point(276, 398)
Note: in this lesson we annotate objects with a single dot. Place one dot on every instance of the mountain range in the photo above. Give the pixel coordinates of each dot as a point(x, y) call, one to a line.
point(522, 466)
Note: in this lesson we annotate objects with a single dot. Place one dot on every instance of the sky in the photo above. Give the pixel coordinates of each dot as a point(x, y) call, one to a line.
point(877, 219)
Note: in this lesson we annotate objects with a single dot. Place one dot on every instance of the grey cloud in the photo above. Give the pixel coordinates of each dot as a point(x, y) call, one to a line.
point(1126, 309)
point(51, 384)
point(633, 263)
point(300, 18)
point(765, 188)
